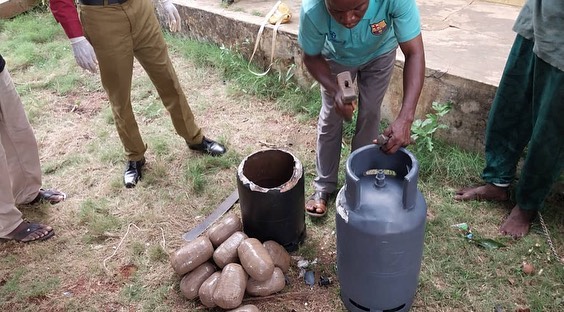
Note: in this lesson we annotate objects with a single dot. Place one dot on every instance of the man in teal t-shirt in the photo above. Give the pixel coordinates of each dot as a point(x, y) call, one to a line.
point(359, 36)
point(527, 113)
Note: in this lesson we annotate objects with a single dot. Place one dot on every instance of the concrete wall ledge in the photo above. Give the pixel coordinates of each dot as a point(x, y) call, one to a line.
point(11, 8)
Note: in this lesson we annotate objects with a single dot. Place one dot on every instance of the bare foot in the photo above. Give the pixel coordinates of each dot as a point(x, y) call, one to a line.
point(518, 222)
point(484, 192)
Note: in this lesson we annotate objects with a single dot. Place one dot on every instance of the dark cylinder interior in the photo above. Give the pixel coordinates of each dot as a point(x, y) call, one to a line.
point(269, 169)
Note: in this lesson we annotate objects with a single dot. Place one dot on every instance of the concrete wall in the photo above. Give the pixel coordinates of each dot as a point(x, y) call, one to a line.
point(518, 3)
point(467, 119)
point(11, 8)
point(472, 99)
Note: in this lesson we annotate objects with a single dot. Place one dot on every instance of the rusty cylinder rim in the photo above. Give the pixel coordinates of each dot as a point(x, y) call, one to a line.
point(288, 185)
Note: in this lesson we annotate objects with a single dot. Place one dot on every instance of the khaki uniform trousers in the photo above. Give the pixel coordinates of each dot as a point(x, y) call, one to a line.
point(372, 79)
point(20, 171)
point(118, 33)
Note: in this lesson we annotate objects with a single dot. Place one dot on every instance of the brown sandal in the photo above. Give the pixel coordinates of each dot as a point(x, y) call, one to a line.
point(48, 195)
point(30, 232)
point(316, 205)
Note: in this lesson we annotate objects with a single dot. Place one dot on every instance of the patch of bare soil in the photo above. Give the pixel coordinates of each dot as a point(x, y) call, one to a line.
point(84, 105)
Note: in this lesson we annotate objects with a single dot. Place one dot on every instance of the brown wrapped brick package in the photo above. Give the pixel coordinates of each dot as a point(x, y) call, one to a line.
point(255, 259)
point(246, 308)
point(225, 228)
point(279, 255)
point(273, 285)
point(227, 252)
point(206, 290)
point(230, 288)
point(191, 282)
point(191, 255)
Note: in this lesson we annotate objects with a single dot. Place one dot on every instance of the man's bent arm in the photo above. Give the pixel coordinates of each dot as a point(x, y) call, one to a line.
point(319, 69)
point(66, 14)
point(413, 76)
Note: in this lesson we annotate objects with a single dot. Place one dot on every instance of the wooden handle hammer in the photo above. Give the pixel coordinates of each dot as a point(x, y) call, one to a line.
point(348, 87)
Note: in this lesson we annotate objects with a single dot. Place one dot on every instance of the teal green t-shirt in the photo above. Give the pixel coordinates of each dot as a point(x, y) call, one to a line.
point(385, 23)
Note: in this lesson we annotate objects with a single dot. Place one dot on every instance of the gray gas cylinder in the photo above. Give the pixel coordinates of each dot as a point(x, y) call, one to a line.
point(380, 230)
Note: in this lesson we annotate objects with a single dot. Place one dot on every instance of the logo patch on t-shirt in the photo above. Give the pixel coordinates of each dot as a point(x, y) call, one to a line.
point(333, 37)
point(378, 28)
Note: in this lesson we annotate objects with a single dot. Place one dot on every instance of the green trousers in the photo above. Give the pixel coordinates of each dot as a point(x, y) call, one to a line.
point(118, 33)
point(527, 113)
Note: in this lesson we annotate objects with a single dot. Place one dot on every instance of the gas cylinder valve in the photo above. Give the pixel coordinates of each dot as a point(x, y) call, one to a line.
point(380, 178)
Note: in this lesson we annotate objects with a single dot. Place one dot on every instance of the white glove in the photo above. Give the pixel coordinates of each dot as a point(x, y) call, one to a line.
point(84, 54)
point(172, 16)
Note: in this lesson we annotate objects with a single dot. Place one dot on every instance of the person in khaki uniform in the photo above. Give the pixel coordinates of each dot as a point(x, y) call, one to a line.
point(20, 171)
point(110, 34)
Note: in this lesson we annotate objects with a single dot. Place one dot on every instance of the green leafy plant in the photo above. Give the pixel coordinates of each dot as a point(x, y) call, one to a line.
point(423, 130)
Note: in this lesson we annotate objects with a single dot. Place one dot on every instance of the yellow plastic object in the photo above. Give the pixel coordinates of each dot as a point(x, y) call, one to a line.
point(281, 14)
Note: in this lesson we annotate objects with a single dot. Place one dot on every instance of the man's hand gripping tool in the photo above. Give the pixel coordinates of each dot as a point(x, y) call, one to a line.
point(349, 90)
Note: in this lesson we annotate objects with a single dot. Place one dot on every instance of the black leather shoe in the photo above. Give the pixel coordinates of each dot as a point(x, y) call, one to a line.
point(209, 147)
point(132, 173)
